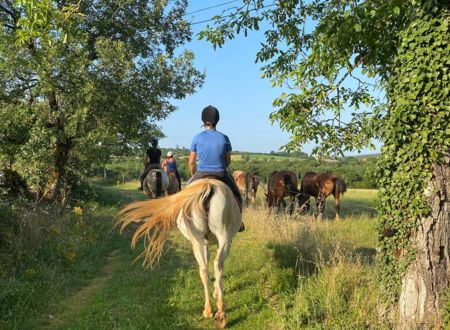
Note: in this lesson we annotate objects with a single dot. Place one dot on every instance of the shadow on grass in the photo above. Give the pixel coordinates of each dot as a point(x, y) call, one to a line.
point(348, 208)
point(303, 261)
point(365, 254)
point(288, 256)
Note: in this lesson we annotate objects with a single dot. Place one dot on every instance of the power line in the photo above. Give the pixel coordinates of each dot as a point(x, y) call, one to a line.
point(213, 19)
point(215, 6)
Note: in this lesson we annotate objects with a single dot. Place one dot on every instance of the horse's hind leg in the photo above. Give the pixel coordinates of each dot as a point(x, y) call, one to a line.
point(281, 204)
point(290, 208)
point(320, 206)
point(201, 254)
point(337, 205)
point(222, 253)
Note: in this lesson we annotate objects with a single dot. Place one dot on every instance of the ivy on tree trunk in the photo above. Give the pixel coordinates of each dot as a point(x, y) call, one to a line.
point(414, 171)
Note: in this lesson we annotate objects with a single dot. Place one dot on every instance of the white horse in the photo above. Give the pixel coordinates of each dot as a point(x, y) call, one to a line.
point(205, 210)
point(156, 183)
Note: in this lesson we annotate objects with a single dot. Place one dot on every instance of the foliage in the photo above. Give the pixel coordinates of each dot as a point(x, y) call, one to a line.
point(48, 253)
point(328, 70)
point(415, 134)
point(357, 173)
point(80, 80)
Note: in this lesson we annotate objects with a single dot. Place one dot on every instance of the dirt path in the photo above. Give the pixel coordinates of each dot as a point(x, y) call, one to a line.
point(74, 304)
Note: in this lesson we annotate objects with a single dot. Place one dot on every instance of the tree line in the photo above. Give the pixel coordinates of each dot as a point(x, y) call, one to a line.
point(356, 172)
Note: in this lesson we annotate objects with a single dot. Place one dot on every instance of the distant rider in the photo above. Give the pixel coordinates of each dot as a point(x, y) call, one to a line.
point(169, 165)
point(152, 160)
point(212, 149)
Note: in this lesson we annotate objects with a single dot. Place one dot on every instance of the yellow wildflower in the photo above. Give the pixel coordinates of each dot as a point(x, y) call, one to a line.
point(78, 210)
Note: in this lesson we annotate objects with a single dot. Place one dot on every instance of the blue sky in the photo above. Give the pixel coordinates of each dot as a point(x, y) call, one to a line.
point(234, 86)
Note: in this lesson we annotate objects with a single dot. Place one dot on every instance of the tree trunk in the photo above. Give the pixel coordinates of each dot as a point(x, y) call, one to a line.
point(64, 145)
point(62, 153)
point(428, 277)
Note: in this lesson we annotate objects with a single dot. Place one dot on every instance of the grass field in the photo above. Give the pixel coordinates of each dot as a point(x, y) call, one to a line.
point(282, 273)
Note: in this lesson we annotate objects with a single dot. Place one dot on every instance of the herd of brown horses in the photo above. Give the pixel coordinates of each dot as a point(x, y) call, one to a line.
point(285, 184)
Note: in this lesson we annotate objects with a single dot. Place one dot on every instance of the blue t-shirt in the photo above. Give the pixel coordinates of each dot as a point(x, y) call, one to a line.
point(171, 166)
point(211, 146)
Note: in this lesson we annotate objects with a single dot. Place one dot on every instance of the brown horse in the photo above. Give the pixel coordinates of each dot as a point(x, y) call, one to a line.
point(248, 185)
point(174, 185)
point(320, 186)
point(282, 184)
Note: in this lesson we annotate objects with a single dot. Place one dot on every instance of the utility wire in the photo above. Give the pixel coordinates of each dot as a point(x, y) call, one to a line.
point(213, 19)
point(215, 6)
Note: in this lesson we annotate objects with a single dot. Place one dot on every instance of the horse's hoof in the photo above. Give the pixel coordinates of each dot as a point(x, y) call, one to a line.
point(207, 314)
point(220, 320)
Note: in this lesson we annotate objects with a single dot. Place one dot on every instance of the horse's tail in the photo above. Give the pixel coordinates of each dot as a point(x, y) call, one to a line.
point(158, 184)
point(159, 216)
point(339, 187)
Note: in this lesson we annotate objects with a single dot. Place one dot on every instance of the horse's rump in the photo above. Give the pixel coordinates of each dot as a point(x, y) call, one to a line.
point(325, 183)
point(174, 185)
point(320, 186)
point(282, 184)
point(247, 184)
point(191, 207)
point(156, 183)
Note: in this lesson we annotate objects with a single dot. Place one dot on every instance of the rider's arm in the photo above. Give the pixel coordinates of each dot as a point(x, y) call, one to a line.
point(192, 159)
point(228, 158)
point(147, 159)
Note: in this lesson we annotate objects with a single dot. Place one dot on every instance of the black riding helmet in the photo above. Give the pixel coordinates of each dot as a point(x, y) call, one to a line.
point(154, 142)
point(210, 114)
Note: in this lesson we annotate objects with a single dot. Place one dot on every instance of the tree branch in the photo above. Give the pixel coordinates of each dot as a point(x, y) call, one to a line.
point(10, 26)
point(8, 11)
point(362, 81)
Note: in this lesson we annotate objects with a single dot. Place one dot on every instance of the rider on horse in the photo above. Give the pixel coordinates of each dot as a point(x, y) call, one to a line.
point(169, 165)
point(212, 149)
point(152, 160)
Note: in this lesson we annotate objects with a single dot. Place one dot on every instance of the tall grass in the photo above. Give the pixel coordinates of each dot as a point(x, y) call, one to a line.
point(46, 253)
point(282, 273)
point(333, 263)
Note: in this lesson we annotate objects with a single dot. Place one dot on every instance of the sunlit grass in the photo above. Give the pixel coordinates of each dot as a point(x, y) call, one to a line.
point(282, 273)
